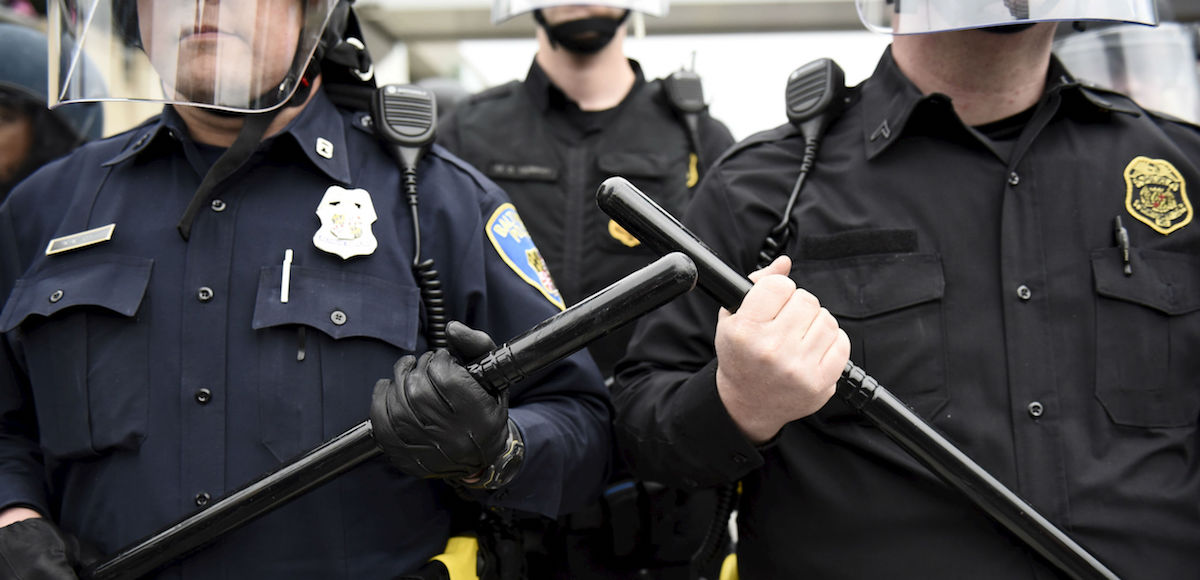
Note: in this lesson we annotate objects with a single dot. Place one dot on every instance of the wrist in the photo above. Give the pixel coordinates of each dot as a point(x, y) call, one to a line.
point(505, 467)
point(12, 515)
point(749, 416)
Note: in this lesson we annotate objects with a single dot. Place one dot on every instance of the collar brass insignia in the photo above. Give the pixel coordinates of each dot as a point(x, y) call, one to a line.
point(1156, 194)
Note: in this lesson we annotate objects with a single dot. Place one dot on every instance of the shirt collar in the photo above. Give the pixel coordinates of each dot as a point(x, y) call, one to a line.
point(318, 130)
point(889, 100)
point(546, 95)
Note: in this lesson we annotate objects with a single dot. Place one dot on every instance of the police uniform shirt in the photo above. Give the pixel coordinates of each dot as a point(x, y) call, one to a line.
point(158, 375)
point(551, 157)
point(988, 292)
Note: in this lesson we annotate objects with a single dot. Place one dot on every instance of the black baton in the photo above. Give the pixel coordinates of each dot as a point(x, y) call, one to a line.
point(662, 233)
point(535, 349)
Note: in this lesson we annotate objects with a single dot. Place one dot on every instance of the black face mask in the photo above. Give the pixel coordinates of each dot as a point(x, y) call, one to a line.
point(586, 36)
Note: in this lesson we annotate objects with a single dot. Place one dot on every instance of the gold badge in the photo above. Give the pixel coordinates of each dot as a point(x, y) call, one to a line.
point(1156, 194)
point(621, 235)
point(693, 176)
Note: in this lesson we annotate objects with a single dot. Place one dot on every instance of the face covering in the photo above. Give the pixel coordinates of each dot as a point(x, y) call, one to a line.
point(586, 36)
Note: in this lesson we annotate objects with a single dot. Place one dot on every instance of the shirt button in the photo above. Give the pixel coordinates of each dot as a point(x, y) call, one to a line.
point(218, 205)
point(203, 396)
point(1024, 293)
point(204, 294)
point(56, 296)
point(202, 499)
point(1014, 179)
point(1036, 409)
point(337, 317)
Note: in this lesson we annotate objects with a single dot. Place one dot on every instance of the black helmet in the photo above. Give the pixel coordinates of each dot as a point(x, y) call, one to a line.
point(23, 75)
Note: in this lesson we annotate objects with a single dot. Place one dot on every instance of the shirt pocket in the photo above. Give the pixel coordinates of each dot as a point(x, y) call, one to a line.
point(891, 308)
point(79, 327)
point(321, 352)
point(1148, 337)
point(662, 177)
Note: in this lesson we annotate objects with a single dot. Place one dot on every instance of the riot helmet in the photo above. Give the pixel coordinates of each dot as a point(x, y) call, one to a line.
point(586, 35)
point(234, 56)
point(924, 16)
point(23, 77)
point(1157, 67)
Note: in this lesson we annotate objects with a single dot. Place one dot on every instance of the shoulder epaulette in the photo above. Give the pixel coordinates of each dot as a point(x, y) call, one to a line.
point(496, 92)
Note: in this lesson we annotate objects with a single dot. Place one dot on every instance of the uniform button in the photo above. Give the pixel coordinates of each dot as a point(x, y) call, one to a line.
point(203, 396)
point(56, 296)
point(1036, 409)
point(738, 458)
point(218, 205)
point(1014, 179)
point(204, 294)
point(337, 317)
point(202, 499)
point(1024, 293)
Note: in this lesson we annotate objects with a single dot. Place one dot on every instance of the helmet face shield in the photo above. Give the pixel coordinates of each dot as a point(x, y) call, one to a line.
point(923, 16)
point(1155, 66)
point(505, 9)
point(240, 56)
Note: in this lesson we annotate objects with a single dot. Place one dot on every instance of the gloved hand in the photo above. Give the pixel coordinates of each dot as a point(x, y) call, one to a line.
point(35, 549)
point(432, 419)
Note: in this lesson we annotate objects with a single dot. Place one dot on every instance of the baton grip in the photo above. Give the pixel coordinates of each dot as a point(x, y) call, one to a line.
point(595, 316)
point(661, 232)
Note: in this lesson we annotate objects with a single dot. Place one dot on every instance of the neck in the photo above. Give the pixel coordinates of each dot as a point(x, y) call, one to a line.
point(596, 82)
point(987, 76)
point(209, 128)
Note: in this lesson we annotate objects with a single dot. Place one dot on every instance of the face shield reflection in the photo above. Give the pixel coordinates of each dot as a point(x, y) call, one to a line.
point(1155, 66)
point(924, 16)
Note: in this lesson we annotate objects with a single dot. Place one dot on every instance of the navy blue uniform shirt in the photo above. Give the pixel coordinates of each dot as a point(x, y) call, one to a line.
point(157, 374)
point(978, 277)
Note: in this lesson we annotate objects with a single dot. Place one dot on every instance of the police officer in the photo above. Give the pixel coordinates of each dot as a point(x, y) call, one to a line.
point(30, 134)
point(1007, 250)
point(585, 112)
point(219, 289)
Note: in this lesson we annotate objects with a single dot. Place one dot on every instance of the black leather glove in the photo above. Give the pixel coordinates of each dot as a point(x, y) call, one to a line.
point(433, 420)
point(35, 549)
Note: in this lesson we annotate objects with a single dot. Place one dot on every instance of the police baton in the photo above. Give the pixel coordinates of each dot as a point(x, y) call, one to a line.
point(663, 233)
point(549, 341)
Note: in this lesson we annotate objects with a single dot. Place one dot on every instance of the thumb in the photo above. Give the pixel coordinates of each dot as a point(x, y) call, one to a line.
point(466, 343)
point(781, 266)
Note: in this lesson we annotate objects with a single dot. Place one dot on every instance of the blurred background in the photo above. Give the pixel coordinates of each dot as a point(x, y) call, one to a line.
point(743, 49)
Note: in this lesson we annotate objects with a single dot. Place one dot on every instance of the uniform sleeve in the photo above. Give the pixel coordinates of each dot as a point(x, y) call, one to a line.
point(21, 471)
point(670, 423)
point(563, 412)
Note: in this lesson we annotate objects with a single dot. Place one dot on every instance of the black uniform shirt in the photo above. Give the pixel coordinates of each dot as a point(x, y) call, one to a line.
point(985, 290)
point(551, 157)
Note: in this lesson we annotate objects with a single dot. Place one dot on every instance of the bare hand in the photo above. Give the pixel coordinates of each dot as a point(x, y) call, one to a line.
point(779, 357)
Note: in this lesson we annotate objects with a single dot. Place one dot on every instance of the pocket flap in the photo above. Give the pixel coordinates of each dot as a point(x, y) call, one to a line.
point(635, 164)
point(865, 286)
point(114, 282)
point(1165, 281)
point(340, 304)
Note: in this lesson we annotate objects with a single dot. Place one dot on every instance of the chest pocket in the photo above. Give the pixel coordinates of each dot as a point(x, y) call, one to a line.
point(661, 176)
point(322, 351)
point(77, 329)
point(890, 306)
point(1148, 337)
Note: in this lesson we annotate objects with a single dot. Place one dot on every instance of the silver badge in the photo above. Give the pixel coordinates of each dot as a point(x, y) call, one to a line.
point(346, 218)
point(324, 148)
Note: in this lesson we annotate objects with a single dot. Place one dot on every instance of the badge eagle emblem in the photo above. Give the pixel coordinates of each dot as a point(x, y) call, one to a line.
point(1156, 194)
point(346, 218)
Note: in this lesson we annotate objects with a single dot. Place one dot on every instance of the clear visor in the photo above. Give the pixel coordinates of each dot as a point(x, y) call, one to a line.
point(922, 16)
point(1155, 66)
point(241, 56)
point(505, 9)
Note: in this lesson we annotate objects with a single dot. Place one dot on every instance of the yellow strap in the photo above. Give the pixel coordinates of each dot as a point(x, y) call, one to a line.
point(729, 568)
point(460, 558)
